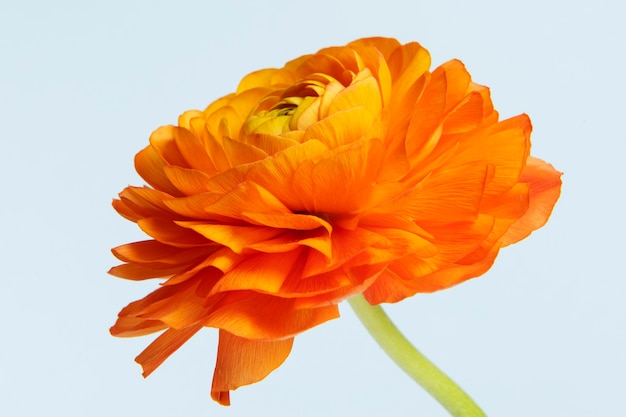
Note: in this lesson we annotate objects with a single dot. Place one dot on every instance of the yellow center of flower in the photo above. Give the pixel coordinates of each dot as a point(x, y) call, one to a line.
point(292, 113)
point(296, 107)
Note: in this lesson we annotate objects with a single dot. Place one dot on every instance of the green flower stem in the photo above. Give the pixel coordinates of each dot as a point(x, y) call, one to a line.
point(413, 362)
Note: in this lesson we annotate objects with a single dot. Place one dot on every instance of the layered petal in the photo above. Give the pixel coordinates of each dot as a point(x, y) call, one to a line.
point(545, 188)
point(243, 361)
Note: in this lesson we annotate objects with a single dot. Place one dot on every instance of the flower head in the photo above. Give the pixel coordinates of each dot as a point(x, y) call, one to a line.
point(354, 170)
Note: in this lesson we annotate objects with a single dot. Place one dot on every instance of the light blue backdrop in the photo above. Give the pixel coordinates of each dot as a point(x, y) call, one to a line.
point(83, 84)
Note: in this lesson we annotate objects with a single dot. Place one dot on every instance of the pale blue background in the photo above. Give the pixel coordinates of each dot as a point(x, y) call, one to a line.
point(83, 84)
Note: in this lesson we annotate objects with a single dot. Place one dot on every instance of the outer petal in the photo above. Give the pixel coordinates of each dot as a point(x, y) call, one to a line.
point(545, 189)
point(136, 326)
point(163, 347)
point(177, 306)
point(392, 287)
point(243, 361)
point(149, 251)
point(137, 272)
point(385, 45)
point(259, 316)
point(150, 166)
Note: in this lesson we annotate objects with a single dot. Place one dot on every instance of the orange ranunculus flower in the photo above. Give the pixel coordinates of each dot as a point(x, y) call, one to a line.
point(352, 170)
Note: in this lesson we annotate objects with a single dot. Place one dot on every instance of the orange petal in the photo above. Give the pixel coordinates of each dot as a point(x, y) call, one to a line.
point(148, 251)
point(454, 240)
point(193, 206)
point(385, 45)
point(145, 201)
point(388, 288)
point(259, 316)
point(341, 128)
point(188, 181)
point(163, 142)
point(223, 123)
point(392, 286)
point(163, 346)
point(356, 166)
point(330, 287)
point(407, 63)
point(364, 93)
point(452, 192)
point(152, 259)
point(192, 144)
point(128, 326)
point(210, 268)
point(502, 147)
point(149, 166)
point(264, 272)
point(177, 306)
point(137, 272)
point(166, 231)
point(447, 277)
point(467, 116)
point(242, 362)
point(346, 244)
point(288, 221)
point(332, 89)
point(245, 197)
point(215, 160)
point(240, 153)
point(237, 238)
point(447, 86)
point(264, 78)
point(374, 61)
point(138, 308)
point(321, 63)
point(545, 189)
point(319, 240)
point(276, 174)
point(397, 243)
point(270, 144)
point(505, 146)
point(128, 211)
point(510, 205)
